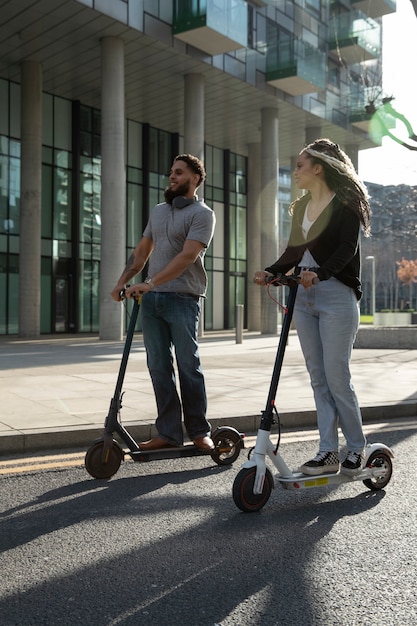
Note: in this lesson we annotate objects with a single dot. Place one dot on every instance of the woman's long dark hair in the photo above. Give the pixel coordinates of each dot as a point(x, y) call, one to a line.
point(341, 177)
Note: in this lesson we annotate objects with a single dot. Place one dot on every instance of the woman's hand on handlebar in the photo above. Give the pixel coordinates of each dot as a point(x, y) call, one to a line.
point(261, 278)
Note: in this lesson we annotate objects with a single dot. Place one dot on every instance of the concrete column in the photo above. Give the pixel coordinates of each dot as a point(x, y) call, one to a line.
point(312, 133)
point(353, 153)
point(194, 115)
point(254, 293)
point(194, 136)
point(269, 210)
point(30, 207)
point(295, 191)
point(113, 185)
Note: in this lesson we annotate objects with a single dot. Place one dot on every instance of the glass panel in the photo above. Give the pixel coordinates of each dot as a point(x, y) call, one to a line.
point(355, 25)
point(153, 179)
point(96, 121)
point(4, 145)
point(3, 287)
point(13, 295)
point(240, 290)
point(90, 202)
point(89, 295)
point(46, 209)
point(232, 222)
point(241, 232)
point(61, 305)
point(134, 144)
point(164, 152)
point(232, 300)
point(62, 205)
point(46, 291)
point(134, 215)
point(4, 107)
point(47, 119)
point(86, 123)
point(14, 195)
point(218, 195)
point(14, 110)
point(86, 144)
point(5, 224)
point(289, 56)
point(217, 168)
point(62, 158)
point(153, 150)
point(62, 124)
point(134, 175)
point(153, 198)
point(14, 148)
point(47, 155)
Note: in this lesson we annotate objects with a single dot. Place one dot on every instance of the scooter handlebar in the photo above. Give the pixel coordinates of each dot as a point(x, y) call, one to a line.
point(122, 293)
point(287, 280)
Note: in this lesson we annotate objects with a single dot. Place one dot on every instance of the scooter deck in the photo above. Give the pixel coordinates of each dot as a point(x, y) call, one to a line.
point(304, 481)
point(173, 452)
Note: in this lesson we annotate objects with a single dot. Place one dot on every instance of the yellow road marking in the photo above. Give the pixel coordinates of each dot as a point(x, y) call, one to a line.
point(76, 459)
point(33, 464)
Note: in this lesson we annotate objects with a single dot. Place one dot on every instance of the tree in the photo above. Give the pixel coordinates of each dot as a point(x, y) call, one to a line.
point(407, 273)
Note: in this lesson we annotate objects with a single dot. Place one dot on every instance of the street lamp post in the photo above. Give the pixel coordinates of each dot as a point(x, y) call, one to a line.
point(372, 258)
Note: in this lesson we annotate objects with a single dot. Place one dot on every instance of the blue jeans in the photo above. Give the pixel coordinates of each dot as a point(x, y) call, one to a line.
point(170, 321)
point(327, 319)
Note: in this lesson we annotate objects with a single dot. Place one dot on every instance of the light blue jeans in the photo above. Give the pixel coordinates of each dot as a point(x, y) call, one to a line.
point(170, 321)
point(327, 320)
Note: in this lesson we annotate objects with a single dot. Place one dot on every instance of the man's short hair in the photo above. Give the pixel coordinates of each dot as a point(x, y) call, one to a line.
point(194, 164)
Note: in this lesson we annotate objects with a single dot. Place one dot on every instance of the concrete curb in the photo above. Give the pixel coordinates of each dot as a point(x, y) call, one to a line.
point(48, 440)
point(386, 337)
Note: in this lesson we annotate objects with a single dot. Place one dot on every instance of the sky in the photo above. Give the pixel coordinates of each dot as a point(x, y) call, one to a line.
point(392, 164)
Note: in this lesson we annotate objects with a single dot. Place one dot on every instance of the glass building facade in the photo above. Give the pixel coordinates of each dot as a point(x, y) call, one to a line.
point(317, 63)
point(71, 213)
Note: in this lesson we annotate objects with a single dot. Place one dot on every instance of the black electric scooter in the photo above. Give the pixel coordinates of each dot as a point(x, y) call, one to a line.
point(253, 484)
point(105, 455)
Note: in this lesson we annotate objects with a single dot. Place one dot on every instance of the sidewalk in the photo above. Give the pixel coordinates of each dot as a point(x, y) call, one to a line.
point(56, 391)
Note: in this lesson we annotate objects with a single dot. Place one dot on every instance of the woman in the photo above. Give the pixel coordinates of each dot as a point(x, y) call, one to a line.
point(324, 249)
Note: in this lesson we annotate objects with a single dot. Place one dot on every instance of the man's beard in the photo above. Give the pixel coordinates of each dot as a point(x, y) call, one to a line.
point(181, 190)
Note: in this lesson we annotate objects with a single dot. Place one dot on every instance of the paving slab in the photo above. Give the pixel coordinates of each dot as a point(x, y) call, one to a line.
point(55, 391)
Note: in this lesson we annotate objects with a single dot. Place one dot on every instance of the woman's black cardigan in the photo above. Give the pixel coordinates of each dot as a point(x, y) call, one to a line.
point(333, 240)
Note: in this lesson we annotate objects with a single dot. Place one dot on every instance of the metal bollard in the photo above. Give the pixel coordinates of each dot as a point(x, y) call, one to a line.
point(239, 323)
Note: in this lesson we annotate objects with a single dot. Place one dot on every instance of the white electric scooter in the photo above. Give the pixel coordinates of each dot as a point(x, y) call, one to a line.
point(253, 484)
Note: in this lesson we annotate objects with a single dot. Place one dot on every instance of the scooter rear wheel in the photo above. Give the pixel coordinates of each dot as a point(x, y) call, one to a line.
point(382, 460)
point(228, 444)
point(243, 495)
point(101, 462)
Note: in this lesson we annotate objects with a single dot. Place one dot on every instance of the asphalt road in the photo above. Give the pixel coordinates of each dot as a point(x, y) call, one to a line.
point(163, 543)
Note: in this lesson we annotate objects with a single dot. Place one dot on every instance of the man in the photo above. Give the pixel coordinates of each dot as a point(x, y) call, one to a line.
point(174, 241)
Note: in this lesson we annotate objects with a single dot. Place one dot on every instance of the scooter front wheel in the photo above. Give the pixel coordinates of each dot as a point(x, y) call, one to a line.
point(243, 495)
point(381, 460)
point(227, 445)
point(103, 461)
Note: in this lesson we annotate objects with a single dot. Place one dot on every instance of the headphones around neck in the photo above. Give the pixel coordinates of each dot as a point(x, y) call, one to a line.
point(179, 202)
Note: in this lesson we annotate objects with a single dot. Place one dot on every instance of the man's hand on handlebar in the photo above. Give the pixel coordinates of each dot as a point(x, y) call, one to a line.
point(137, 291)
point(118, 293)
point(121, 292)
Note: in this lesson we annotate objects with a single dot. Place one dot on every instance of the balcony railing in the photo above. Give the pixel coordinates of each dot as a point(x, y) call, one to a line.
point(213, 26)
point(375, 8)
point(295, 67)
point(354, 37)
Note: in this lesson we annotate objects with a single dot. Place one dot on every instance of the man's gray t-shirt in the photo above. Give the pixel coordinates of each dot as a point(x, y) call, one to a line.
point(169, 227)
